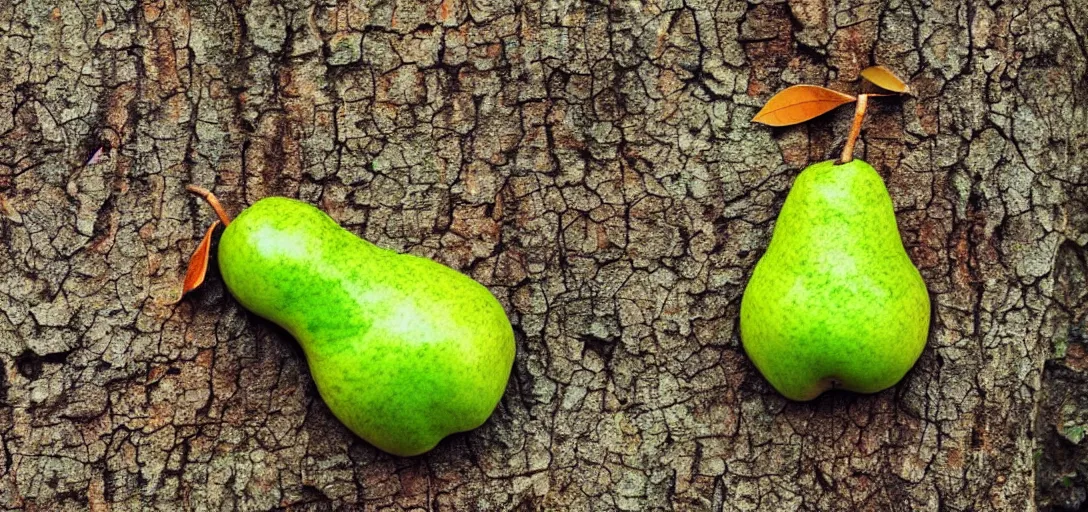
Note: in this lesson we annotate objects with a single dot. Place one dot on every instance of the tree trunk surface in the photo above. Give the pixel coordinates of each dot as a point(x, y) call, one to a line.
point(594, 165)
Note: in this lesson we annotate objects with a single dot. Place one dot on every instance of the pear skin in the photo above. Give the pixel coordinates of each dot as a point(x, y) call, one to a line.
point(835, 301)
point(404, 350)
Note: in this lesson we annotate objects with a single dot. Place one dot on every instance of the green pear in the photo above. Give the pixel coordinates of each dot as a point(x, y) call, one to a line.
point(835, 301)
point(404, 351)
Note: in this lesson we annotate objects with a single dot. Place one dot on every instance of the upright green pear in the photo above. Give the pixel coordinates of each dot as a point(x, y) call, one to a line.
point(404, 351)
point(835, 301)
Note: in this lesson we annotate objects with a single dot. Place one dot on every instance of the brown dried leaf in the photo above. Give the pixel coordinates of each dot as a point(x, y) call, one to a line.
point(198, 263)
point(883, 77)
point(800, 103)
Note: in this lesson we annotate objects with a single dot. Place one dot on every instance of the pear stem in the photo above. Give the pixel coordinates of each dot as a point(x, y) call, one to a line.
point(212, 201)
point(855, 130)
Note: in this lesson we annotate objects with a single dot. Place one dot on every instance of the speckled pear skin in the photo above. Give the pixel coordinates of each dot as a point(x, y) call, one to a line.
point(404, 350)
point(835, 301)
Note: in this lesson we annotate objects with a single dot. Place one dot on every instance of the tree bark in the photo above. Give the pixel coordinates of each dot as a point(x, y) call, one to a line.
point(593, 164)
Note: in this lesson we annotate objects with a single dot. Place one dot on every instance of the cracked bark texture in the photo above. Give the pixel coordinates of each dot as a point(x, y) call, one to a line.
point(593, 164)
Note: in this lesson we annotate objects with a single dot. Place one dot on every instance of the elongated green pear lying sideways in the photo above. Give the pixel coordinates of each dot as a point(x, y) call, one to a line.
point(404, 350)
point(835, 301)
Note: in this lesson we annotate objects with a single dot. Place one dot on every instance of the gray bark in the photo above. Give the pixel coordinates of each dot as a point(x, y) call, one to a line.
point(594, 165)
